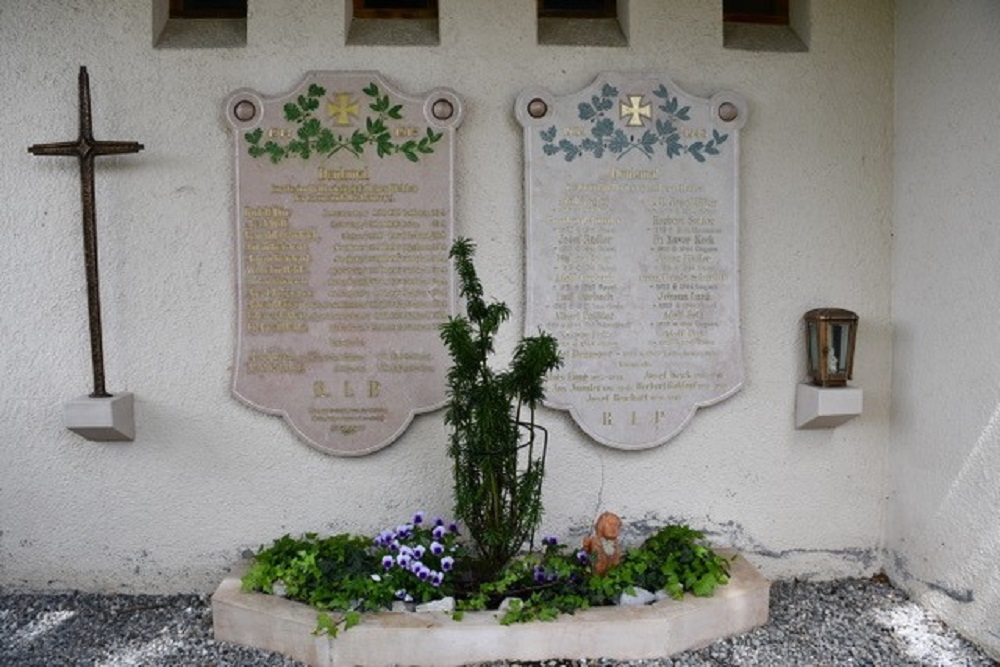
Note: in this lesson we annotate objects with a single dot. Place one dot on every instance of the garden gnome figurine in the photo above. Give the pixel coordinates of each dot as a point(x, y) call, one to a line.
point(604, 543)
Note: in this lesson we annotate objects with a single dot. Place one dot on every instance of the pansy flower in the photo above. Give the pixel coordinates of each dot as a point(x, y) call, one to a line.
point(447, 563)
point(439, 532)
point(437, 548)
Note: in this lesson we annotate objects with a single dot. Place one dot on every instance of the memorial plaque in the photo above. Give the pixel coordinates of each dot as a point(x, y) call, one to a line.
point(343, 224)
point(632, 197)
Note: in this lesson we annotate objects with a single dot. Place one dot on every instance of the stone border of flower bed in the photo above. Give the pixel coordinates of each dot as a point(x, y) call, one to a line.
point(393, 638)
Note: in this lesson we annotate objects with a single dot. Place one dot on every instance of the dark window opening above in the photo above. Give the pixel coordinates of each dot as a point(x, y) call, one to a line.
point(773, 12)
point(208, 9)
point(588, 9)
point(395, 9)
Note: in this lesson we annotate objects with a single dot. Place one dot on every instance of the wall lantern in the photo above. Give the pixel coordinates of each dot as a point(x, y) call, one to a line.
point(830, 335)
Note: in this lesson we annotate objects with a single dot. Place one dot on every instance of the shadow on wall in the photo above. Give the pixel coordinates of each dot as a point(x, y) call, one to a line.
point(960, 578)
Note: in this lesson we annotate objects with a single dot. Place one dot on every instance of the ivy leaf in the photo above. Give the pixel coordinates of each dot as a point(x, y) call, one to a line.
point(719, 138)
point(605, 104)
point(316, 90)
point(298, 147)
point(384, 146)
point(310, 128)
point(648, 142)
point(569, 148)
point(292, 112)
point(586, 111)
point(665, 127)
point(603, 128)
point(683, 113)
point(276, 151)
point(325, 141)
point(371, 90)
point(609, 91)
point(548, 135)
point(595, 147)
point(619, 142)
point(358, 140)
point(396, 112)
point(310, 104)
point(256, 151)
point(661, 92)
point(674, 146)
point(255, 136)
point(548, 149)
point(409, 150)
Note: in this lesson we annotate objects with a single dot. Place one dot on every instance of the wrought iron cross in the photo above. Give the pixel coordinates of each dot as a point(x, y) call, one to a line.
point(86, 148)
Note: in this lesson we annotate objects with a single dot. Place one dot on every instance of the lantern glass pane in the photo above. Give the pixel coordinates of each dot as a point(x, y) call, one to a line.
point(813, 348)
point(840, 337)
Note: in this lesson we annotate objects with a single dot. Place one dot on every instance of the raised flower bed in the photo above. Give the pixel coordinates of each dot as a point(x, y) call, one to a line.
point(405, 638)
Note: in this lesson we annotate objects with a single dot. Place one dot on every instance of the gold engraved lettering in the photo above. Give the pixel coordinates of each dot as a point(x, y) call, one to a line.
point(279, 133)
point(326, 174)
point(319, 389)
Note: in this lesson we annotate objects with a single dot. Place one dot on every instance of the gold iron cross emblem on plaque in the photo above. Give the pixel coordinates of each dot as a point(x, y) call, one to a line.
point(343, 108)
point(635, 110)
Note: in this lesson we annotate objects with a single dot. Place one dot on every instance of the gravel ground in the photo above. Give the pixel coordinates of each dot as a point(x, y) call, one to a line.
point(846, 622)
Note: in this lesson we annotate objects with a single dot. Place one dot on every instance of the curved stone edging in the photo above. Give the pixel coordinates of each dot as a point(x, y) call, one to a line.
point(391, 638)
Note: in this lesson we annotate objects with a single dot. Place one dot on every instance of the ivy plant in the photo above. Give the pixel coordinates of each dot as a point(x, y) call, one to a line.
point(346, 575)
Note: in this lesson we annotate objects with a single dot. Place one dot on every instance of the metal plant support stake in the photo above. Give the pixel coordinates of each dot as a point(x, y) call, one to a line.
point(86, 148)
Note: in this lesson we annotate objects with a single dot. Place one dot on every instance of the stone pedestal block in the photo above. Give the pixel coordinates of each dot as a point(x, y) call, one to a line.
point(101, 419)
point(826, 407)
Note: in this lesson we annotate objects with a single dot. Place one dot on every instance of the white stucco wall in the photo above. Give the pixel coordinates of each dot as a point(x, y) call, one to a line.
point(944, 521)
point(207, 477)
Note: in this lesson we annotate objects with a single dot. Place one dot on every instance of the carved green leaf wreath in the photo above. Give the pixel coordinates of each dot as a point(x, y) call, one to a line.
point(312, 138)
point(606, 138)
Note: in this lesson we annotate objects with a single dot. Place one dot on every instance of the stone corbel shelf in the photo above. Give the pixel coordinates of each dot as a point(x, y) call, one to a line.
point(621, 633)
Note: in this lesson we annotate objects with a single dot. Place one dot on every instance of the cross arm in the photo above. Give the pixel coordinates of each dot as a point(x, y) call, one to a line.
point(58, 148)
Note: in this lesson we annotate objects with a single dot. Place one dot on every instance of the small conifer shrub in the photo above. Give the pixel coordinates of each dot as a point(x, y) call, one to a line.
point(497, 449)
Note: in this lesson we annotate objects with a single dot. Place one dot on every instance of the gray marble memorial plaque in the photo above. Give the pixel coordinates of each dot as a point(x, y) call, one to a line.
point(632, 196)
point(343, 225)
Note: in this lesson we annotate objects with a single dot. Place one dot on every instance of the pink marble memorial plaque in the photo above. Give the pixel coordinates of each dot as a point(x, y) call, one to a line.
point(343, 225)
point(632, 251)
